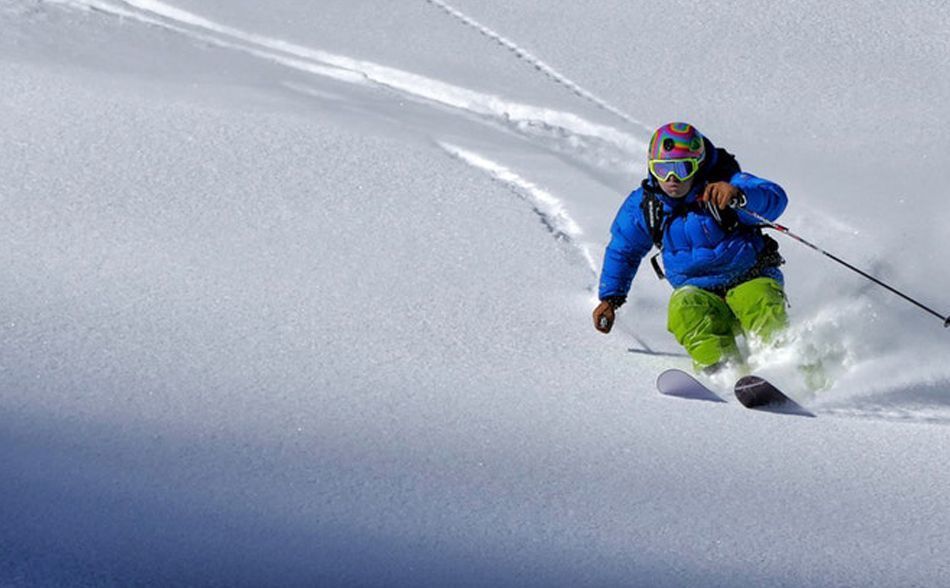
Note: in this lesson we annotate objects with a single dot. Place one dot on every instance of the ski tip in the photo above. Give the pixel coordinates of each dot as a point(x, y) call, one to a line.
point(677, 383)
point(753, 392)
point(663, 375)
point(946, 323)
point(758, 393)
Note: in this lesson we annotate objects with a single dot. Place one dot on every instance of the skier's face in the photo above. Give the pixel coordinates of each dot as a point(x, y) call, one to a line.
point(674, 188)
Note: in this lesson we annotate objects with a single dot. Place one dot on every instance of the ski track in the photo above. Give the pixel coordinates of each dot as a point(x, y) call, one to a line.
point(563, 132)
point(408, 84)
point(551, 210)
point(541, 124)
point(539, 65)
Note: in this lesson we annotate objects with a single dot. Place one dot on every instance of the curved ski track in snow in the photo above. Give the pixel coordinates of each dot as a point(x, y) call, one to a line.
point(545, 126)
point(546, 205)
point(539, 65)
point(342, 68)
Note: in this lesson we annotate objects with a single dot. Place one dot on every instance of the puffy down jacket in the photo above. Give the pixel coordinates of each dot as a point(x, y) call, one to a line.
point(697, 249)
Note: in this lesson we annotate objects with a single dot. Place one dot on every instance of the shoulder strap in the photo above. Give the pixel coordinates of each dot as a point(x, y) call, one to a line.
point(655, 217)
point(653, 214)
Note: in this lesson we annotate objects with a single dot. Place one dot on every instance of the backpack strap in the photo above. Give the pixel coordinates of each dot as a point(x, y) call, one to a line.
point(653, 213)
point(655, 218)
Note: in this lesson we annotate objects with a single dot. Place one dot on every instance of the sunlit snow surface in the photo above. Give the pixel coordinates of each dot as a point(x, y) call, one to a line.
point(298, 293)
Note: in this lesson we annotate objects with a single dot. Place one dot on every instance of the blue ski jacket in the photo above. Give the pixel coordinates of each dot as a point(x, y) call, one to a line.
point(697, 249)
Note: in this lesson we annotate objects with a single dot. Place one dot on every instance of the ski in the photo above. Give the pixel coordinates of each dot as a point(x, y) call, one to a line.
point(752, 392)
point(755, 392)
point(758, 393)
point(678, 383)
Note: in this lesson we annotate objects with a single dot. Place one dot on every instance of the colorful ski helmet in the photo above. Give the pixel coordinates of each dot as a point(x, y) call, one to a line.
point(677, 140)
point(676, 150)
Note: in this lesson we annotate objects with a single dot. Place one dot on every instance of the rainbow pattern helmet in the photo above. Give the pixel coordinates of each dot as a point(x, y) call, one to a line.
point(677, 140)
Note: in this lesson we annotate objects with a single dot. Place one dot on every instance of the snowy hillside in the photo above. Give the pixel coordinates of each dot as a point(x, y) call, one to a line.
point(299, 293)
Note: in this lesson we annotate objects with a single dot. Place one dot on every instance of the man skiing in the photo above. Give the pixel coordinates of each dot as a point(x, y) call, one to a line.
point(724, 271)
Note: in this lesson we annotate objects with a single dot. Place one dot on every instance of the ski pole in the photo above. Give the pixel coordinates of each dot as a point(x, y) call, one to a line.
point(786, 231)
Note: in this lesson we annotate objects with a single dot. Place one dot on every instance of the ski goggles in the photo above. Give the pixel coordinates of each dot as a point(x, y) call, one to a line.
point(681, 169)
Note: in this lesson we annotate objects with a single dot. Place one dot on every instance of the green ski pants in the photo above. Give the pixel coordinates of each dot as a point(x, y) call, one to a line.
point(707, 324)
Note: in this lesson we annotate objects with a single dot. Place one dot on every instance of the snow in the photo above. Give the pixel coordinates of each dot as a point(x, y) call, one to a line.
point(300, 293)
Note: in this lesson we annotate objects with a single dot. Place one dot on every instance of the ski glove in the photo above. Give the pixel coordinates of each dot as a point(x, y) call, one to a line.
point(720, 194)
point(604, 314)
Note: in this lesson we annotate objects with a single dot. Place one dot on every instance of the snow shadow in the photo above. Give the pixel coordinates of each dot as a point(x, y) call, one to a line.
point(788, 407)
point(96, 505)
point(80, 509)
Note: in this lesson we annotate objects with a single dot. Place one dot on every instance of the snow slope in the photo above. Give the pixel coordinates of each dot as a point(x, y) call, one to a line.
point(291, 300)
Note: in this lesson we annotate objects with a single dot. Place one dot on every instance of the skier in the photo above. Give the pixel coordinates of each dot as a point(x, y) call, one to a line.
point(724, 271)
